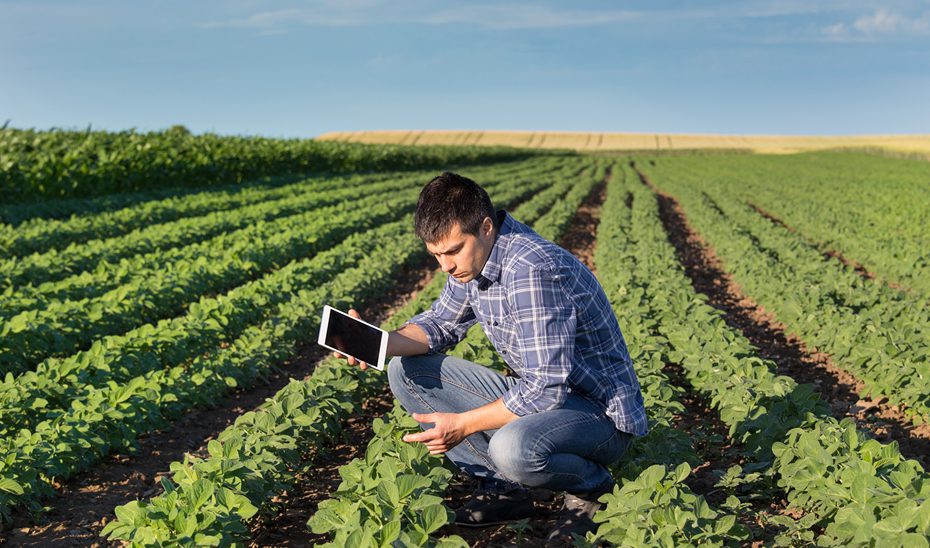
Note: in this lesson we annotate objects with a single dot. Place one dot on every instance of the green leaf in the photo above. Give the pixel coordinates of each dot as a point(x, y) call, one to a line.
point(10, 486)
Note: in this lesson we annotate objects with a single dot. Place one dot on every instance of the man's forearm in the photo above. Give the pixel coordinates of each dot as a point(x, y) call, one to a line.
point(487, 417)
point(409, 340)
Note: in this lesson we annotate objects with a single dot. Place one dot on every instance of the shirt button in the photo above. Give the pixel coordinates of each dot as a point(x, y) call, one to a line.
point(495, 323)
point(503, 351)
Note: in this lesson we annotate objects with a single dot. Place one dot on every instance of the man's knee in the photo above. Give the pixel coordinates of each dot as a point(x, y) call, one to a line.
point(399, 370)
point(513, 452)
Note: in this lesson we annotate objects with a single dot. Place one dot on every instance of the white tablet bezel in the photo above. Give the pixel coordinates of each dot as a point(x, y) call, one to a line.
point(382, 352)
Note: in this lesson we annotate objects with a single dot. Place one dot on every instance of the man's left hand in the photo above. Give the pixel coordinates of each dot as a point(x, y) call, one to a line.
point(447, 431)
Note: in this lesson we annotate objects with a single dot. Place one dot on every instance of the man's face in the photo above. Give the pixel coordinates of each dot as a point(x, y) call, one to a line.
point(463, 255)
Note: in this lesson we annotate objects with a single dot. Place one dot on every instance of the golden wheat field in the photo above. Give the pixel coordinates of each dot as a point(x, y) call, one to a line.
point(773, 144)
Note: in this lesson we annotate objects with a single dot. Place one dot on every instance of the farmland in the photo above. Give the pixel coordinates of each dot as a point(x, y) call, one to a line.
point(161, 385)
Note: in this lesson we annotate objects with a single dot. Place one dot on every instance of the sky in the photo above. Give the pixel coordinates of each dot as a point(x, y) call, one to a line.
point(300, 69)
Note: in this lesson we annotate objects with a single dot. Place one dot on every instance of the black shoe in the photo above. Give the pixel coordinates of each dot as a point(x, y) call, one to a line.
point(577, 514)
point(485, 509)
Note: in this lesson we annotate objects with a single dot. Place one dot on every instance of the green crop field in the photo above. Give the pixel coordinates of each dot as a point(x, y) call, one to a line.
point(160, 297)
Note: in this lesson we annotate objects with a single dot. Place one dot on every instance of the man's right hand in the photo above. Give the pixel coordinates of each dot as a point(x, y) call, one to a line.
point(350, 359)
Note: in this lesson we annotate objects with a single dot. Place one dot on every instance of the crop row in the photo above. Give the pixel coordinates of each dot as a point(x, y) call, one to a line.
point(825, 467)
point(143, 521)
point(875, 332)
point(59, 263)
point(40, 234)
point(878, 207)
point(652, 504)
point(62, 163)
point(222, 216)
point(63, 328)
point(108, 276)
point(175, 278)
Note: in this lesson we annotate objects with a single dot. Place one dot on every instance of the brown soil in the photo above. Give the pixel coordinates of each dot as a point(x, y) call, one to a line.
point(86, 502)
point(581, 233)
point(839, 389)
point(710, 437)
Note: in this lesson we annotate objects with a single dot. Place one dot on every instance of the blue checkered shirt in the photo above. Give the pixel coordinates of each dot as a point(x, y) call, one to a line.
point(549, 319)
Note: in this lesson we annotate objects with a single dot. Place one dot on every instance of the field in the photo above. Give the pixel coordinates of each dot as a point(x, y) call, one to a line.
point(161, 385)
point(904, 145)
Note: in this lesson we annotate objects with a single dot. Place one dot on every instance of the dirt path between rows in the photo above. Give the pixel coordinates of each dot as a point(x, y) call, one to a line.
point(86, 502)
point(839, 389)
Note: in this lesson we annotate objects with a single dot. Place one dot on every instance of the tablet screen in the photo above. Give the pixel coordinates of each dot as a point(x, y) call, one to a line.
point(349, 336)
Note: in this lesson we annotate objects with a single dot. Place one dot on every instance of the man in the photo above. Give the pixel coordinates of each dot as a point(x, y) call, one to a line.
point(577, 402)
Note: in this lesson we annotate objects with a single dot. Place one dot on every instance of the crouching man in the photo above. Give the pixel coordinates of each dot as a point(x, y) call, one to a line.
point(575, 403)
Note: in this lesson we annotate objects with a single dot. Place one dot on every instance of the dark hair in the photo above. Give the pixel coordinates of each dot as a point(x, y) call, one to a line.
point(449, 199)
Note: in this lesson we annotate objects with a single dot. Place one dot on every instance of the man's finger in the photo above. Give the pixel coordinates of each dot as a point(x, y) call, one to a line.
point(424, 417)
point(427, 436)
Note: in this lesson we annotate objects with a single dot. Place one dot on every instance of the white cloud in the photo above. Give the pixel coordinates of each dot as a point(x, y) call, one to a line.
point(879, 22)
point(882, 22)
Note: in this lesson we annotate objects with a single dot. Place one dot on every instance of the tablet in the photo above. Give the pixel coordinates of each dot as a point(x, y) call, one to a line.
point(352, 337)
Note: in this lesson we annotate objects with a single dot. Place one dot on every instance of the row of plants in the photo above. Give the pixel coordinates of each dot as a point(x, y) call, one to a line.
point(877, 333)
point(877, 207)
point(112, 274)
point(63, 328)
point(55, 264)
point(40, 234)
point(58, 163)
point(108, 276)
point(60, 260)
point(652, 503)
point(45, 443)
point(169, 515)
point(55, 383)
point(171, 280)
point(844, 483)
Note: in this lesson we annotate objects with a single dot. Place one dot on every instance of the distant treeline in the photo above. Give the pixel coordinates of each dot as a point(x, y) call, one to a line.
point(46, 164)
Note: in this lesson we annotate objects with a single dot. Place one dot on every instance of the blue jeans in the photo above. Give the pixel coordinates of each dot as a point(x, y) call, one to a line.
point(565, 449)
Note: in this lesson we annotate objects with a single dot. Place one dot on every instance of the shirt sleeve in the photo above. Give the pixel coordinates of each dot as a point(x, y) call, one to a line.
point(448, 319)
point(545, 323)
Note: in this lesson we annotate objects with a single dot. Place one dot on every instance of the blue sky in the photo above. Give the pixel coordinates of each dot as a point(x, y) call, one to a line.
point(298, 69)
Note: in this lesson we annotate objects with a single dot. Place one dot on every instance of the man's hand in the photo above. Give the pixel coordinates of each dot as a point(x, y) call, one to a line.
point(352, 361)
point(447, 431)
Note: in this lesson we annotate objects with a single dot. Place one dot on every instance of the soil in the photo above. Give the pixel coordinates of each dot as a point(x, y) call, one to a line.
point(838, 388)
point(85, 503)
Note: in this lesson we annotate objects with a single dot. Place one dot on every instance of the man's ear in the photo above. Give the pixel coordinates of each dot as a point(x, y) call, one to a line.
point(487, 226)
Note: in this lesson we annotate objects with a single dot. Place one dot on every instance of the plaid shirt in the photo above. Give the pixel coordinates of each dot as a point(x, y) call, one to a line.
point(549, 319)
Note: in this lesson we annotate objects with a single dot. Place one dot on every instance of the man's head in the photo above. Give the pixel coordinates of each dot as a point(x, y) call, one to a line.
point(456, 220)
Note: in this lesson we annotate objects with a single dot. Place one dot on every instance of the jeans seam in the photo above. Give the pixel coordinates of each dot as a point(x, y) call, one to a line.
point(451, 383)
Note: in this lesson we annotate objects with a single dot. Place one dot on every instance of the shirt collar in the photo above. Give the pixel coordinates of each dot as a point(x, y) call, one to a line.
point(491, 273)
